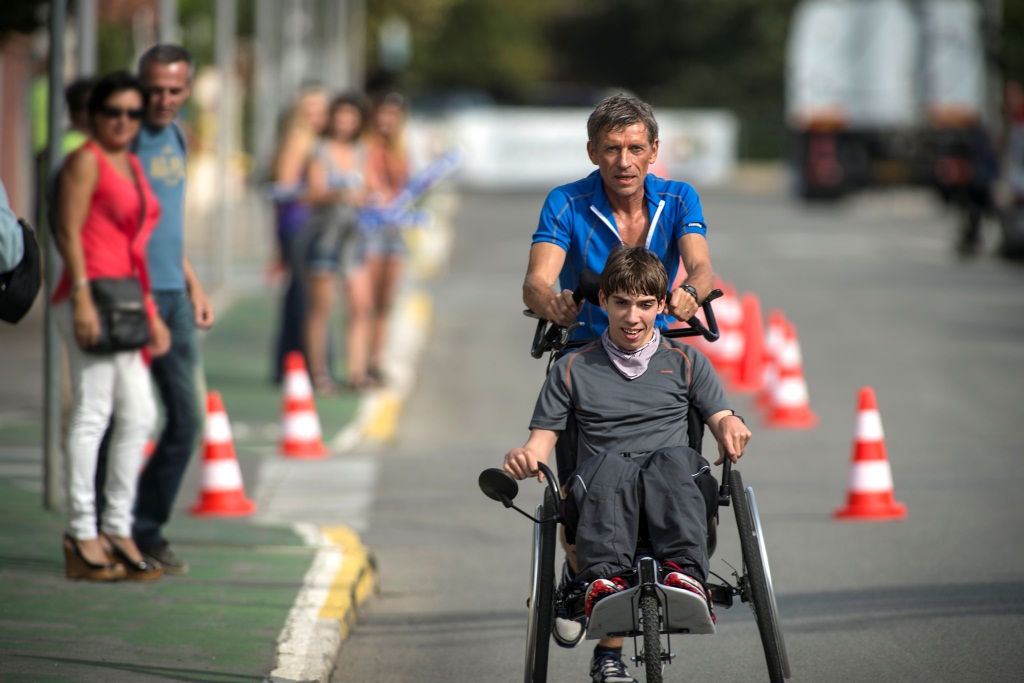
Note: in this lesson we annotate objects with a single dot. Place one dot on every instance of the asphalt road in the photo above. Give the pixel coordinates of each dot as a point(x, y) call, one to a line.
point(878, 300)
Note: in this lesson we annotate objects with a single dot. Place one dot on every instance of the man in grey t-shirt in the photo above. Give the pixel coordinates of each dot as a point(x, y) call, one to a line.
point(631, 392)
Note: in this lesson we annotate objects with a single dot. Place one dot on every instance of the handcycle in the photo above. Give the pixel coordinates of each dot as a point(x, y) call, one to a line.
point(646, 610)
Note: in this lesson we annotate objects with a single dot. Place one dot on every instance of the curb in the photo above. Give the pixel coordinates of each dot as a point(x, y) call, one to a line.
point(342, 577)
point(344, 572)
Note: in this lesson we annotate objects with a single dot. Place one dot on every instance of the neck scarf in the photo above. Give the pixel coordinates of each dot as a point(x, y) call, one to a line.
point(631, 364)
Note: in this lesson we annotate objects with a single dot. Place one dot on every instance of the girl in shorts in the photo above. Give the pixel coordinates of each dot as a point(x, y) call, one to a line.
point(337, 188)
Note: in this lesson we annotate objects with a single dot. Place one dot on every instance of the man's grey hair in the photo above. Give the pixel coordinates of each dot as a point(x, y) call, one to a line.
point(619, 111)
point(167, 53)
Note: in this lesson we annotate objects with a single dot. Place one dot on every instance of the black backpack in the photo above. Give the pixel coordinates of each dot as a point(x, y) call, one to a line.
point(19, 287)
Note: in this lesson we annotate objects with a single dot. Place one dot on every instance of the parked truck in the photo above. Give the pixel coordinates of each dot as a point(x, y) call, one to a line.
point(893, 92)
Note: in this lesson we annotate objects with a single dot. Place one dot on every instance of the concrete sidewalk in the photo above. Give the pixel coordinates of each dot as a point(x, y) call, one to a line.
point(269, 597)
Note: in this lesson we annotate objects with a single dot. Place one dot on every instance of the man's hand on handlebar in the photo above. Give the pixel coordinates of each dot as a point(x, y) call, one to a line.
point(731, 434)
point(681, 305)
point(562, 309)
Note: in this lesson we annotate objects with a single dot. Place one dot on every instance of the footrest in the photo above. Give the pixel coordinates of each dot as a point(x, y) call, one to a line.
point(618, 614)
point(685, 612)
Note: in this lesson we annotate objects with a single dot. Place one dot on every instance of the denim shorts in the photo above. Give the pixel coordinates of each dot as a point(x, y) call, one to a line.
point(334, 244)
point(386, 241)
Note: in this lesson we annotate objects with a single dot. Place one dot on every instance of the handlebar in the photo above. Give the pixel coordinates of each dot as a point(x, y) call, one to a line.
point(553, 337)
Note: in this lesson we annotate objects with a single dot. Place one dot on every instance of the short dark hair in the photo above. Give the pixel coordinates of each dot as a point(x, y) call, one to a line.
point(111, 84)
point(347, 99)
point(76, 95)
point(619, 111)
point(167, 53)
point(636, 271)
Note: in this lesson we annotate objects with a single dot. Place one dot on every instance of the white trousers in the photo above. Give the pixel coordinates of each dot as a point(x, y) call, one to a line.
point(104, 385)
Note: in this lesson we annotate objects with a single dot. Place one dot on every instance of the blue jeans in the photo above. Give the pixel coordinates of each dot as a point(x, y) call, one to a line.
point(174, 375)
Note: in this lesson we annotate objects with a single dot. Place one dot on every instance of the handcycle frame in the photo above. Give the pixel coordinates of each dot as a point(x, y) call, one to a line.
point(650, 615)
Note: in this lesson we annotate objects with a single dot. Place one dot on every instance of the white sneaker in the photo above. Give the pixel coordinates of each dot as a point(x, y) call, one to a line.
point(568, 632)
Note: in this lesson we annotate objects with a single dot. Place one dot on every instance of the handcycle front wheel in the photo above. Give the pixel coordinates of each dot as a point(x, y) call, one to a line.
point(652, 637)
point(542, 592)
point(756, 586)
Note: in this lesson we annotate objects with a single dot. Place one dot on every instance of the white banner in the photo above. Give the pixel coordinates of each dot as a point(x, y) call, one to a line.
point(522, 148)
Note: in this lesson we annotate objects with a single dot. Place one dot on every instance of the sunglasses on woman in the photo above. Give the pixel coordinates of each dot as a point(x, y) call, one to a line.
point(118, 112)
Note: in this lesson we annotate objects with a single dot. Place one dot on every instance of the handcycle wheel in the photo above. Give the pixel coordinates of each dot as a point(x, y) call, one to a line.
point(542, 592)
point(652, 637)
point(756, 585)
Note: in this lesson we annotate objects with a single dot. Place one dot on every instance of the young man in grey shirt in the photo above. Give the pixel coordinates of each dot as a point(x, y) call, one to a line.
point(631, 392)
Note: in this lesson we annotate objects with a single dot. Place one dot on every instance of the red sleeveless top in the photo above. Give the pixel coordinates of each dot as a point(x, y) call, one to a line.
point(122, 215)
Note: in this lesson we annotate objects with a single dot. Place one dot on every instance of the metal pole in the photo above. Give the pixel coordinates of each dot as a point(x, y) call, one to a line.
point(87, 62)
point(357, 43)
point(337, 69)
point(167, 21)
point(224, 51)
point(266, 70)
point(51, 354)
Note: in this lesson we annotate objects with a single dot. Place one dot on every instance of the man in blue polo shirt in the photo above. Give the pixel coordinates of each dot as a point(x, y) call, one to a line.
point(582, 222)
point(619, 203)
point(166, 73)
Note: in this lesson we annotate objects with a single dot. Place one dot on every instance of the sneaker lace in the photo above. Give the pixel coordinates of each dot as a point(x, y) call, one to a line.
point(610, 665)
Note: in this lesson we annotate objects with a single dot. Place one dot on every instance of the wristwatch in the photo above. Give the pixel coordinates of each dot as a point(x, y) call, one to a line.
point(692, 292)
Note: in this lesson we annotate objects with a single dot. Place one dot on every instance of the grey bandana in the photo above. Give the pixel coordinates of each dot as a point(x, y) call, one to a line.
point(631, 364)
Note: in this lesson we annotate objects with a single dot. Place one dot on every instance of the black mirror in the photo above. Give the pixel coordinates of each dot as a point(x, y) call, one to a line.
point(499, 485)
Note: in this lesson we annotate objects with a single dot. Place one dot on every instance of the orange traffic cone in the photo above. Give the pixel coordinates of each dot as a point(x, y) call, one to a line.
point(221, 492)
point(750, 377)
point(729, 347)
point(789, 407)
point(870, 491)
point(300, 429)
point(774, 339)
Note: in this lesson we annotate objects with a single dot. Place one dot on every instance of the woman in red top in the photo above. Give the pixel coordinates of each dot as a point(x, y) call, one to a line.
point(106, 215)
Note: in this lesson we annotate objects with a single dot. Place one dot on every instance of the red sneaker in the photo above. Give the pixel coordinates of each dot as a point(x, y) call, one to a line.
point(602, 588)
point(677, 578)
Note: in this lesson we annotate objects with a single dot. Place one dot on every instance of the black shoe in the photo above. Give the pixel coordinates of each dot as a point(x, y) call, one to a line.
point(163, 554)
point(609, 668)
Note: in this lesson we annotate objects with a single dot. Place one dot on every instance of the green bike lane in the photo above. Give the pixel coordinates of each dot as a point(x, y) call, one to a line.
point(218, 623)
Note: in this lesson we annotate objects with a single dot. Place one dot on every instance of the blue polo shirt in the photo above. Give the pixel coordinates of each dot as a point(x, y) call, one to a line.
point(162, 154)
point(578, 218)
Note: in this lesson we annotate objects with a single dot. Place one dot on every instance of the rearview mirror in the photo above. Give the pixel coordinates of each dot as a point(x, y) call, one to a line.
point(497, 484)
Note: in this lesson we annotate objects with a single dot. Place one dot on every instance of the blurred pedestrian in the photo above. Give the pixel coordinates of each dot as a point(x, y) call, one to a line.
point(166, 72)
point(107, 213)
point(388, 171)
point(76, 96)
point(12, 243)
point(302, 128)
point(336, 182)
point(20, 264)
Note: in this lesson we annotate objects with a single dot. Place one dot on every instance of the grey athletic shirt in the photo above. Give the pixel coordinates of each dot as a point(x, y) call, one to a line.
point(628, 416)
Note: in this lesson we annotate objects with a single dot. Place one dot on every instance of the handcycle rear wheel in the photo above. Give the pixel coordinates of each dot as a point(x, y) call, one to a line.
point(652, 637)
point(542, 592)
point(756, 586)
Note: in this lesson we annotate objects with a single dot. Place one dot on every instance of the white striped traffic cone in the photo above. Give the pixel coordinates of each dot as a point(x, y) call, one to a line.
point(790, 407)
point(221, 492)
point(870, 494)
point(300, 428)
